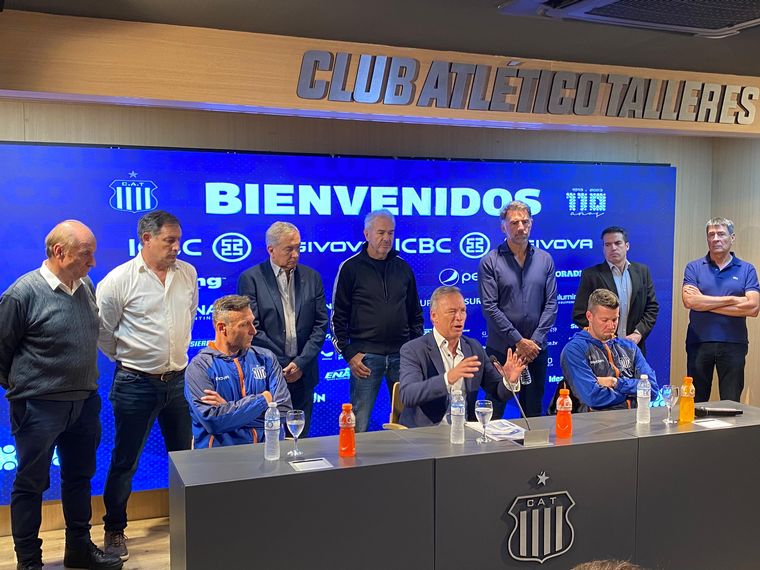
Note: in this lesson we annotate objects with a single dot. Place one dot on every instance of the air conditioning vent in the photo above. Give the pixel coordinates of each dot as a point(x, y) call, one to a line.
point(710, 18)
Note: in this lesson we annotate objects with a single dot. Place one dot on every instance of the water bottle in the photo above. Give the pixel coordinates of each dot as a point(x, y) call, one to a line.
point(564, 420)
point(525, 378)
point(272, 433)
point(686, 405)
point(457, 417)
point(347, 435)
point(643, 395)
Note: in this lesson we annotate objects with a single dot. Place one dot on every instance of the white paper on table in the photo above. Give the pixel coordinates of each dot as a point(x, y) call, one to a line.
point(499, 430)
point(310, 464)
point(712, 423)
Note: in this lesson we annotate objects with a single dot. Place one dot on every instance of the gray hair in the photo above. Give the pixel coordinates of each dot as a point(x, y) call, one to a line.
point(279, 230)
point(608, 565)
point(603, 298)
point(515, 205)
point(152, 223)
point(373, 215)
point(223, 306)
point(442, 291)
point(62, 234)
point(728, 224)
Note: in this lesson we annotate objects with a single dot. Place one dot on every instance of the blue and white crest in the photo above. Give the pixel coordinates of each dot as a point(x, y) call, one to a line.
point(133, 195)
point(259, 372)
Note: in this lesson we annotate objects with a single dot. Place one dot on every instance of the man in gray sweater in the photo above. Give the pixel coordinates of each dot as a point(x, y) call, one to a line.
point(48, 367)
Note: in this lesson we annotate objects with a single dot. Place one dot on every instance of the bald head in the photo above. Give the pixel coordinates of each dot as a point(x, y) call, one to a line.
point(70, 248)
point(67, 234)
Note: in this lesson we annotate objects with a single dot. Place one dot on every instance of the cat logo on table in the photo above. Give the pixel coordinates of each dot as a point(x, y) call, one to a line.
point(132, 195)
point(542, 527)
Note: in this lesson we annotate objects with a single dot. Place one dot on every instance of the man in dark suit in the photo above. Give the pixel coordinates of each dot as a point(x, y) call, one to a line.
point(630, 281)
point(434, 365)
point(288, 300)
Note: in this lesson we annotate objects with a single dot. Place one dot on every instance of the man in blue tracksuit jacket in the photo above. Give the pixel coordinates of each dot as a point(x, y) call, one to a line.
point(601, 369)
point(229, 384)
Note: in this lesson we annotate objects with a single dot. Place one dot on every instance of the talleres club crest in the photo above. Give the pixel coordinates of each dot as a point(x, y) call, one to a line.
point(542, 528)
point(132, 195)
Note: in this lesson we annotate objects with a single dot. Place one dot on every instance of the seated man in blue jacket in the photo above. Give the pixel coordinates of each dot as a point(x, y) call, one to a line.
point(230, 383)
point(444, 360)
point(602, 369)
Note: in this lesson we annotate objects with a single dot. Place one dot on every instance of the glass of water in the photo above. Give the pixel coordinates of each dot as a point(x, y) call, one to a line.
point(295, 420)
point(483, 411)
point(669, 395)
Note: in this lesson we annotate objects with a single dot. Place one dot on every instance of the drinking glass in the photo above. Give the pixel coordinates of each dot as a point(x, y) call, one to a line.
point(483, 411)
point(669, 395)
point(295, 421)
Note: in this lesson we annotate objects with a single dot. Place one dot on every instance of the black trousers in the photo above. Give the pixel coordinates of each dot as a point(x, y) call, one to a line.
point(302, 397)
point(38, 426)
point(728, 357)
point(531, 395)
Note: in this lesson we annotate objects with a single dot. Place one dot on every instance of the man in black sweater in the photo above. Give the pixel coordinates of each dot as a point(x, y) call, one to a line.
point(376, 309)
point(48, 367)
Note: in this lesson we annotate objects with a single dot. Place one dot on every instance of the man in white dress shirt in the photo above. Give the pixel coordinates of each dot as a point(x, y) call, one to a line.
point(147, 308)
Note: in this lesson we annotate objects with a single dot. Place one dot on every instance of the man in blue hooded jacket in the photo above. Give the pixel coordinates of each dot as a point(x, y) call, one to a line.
point(230, 383)
point(603, 370)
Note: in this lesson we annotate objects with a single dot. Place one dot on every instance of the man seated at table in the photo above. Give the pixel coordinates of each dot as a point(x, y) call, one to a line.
point(444, 360)
point(230, 383)
point(602, 369)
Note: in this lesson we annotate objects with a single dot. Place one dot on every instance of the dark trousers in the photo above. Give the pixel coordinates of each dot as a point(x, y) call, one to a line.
point(728, 357)
point(138, 401)
point(302, 397)
point(531, 395)
point(38, 426)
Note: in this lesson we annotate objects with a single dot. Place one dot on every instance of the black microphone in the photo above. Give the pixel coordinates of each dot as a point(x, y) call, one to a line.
point(497, 365)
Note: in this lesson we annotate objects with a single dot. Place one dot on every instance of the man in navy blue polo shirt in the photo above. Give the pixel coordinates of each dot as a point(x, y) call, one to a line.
point(518, 295)
point(721, 291)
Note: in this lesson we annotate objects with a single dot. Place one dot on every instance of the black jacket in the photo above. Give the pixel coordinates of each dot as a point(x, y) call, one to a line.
point(642, 313)
point(372, 312)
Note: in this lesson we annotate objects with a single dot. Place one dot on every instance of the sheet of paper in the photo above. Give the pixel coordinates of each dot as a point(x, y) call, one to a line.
point(712, 423)
point(310, 464)
point(499, 430)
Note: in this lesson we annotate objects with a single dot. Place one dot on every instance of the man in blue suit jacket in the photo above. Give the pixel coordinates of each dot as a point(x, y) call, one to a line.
point(288, 301)
point(434, 365)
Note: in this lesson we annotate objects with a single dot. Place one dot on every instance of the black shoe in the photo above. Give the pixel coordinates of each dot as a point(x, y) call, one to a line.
point(29, 565)
point(92, 558)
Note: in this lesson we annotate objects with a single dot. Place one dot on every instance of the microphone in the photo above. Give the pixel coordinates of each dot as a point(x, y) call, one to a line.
point(497, 365)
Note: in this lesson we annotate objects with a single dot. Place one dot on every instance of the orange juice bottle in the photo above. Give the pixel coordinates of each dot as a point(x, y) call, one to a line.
point(686, 401)
point(347, 436)
point(564, 411)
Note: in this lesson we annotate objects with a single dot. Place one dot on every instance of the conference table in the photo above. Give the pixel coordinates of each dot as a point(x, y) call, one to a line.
point(665, 497)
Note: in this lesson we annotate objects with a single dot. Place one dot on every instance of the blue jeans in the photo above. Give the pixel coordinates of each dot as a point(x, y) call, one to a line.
point(38, 426)
point(137, 402)
point(364, 390)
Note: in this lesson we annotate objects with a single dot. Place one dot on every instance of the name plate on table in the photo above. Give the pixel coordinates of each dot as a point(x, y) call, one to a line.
point(311, 464)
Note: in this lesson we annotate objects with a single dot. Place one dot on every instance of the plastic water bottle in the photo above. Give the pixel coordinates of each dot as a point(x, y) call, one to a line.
point(457, 417)
point(643, 395)
point(272, 433)
point(347, 434)
point(564, 420)
point(686, 403)
point(525, 378)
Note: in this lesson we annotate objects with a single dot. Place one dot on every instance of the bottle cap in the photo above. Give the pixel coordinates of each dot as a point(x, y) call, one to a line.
point(564, 392)
point(347, 407)
point(688, 380)
point(272, 405)
point(456, 392)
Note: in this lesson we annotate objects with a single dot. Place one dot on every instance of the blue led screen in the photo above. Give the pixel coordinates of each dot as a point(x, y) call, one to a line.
point(447, 219)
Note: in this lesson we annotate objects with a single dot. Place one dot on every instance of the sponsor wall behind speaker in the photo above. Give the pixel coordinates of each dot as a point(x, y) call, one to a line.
point(447, 219)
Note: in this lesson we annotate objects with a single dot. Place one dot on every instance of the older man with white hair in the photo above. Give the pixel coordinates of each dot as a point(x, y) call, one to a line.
point(288, 301)
point(376, 309)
